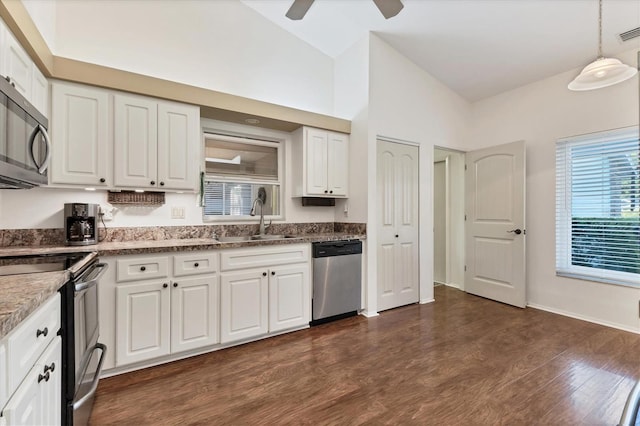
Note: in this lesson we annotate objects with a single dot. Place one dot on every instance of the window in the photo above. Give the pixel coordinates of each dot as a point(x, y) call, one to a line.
point(236, 169)
point(597, 207)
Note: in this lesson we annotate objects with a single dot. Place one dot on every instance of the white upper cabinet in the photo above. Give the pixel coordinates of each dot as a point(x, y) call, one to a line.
point(136, 142)
point(178, 145)
point(17, 66)
point(80, 136)
point(39, 91)
point(156, 144)
point(320, 161)
point(111, 140)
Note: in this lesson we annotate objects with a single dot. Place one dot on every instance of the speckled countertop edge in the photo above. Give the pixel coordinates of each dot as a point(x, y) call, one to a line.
point(20, 295)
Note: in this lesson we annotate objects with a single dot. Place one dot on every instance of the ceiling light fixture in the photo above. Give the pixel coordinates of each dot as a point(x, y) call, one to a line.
point(602, 72)
point(388, 8)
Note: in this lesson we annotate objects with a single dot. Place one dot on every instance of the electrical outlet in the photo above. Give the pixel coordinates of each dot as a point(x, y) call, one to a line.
point(177, 212)
point(106, 213)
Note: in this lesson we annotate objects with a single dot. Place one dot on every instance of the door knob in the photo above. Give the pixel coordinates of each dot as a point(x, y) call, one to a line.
point(516, 231)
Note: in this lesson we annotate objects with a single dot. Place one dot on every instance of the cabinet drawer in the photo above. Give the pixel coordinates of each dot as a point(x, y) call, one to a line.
point(142, 268)
point(259, 257)
point(195, 263)
point(29, 340)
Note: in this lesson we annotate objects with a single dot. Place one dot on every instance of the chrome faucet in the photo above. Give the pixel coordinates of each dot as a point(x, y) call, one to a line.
point(260, 199)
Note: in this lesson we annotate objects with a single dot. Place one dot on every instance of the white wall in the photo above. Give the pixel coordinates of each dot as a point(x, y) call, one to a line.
point(407, 103)
point(43, 14)
point(222, 45)
point(541, 113)
point(352, 100)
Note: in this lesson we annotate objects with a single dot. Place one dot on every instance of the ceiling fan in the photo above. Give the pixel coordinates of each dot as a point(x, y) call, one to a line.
point(388, 8)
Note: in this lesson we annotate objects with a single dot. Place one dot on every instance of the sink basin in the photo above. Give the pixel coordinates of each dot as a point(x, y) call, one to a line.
point(241, 238)
point(271, 237)
point(236, 239)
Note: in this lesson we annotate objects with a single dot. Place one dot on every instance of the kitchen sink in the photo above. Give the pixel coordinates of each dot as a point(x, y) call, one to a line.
point(271, 237)
point(241, 238)
point(236, 239)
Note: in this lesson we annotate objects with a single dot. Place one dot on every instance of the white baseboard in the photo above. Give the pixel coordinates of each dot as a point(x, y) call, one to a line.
point(424, 301)
point(452, 285)
point(368, 314)
point(584, 318)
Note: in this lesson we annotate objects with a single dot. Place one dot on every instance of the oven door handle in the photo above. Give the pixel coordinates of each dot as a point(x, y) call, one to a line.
point(94, 384)
point(84, 285)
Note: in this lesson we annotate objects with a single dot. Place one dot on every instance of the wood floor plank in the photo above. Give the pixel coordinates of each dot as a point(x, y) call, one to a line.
point(460, 360)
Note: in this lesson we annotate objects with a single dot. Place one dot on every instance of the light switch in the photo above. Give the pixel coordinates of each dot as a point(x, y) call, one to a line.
point(177, 212)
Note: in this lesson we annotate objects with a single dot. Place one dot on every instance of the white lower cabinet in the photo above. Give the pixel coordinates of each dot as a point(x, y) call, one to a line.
point(265, 299)
point(167, 315)
point(30, 369)
point(37, 401)
point(169, 304)
point(142, 323)
point(194, 313)
point(244, 305)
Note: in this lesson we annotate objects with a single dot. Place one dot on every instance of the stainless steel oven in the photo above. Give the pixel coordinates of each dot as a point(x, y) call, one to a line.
point(82, 354)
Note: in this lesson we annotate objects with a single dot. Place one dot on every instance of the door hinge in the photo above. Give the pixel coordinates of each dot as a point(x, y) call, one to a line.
point(465, 167)
point(465, 268)
point(465, 217)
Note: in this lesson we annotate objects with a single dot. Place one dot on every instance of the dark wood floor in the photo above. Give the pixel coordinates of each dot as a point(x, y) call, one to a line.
point(462, 360)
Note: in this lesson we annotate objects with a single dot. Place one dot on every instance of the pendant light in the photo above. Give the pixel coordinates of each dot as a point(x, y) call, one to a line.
point(603, 71)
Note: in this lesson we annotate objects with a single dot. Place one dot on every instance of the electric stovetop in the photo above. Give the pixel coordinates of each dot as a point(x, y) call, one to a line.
point(33, 264)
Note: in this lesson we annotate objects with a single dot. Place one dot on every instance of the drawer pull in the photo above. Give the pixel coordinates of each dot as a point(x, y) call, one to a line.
point(45, 377)
point(143, 268)
point(51, 367)
point(264, 274)
point(175, 284)
point(44, 332)
point(165, 285)
point(273, 272)
point(195, 265)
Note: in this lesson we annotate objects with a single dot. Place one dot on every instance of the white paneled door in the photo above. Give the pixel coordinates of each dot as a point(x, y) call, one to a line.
point(398, 272)
point(495, 231)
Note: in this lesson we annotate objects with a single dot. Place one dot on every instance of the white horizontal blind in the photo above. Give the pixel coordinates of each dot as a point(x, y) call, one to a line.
point(597, 207)
point(227, 198)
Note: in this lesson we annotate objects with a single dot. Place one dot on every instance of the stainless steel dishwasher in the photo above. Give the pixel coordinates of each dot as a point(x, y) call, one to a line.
point(337, 280)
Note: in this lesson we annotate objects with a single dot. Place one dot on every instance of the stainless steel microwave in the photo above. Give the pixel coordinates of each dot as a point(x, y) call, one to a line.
point(24, 143)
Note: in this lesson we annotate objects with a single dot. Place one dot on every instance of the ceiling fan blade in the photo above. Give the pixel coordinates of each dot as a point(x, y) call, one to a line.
point(389, 8)
point(298, 9)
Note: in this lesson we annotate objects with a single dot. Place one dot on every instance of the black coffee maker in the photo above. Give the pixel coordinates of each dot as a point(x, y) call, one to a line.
point(80, 223)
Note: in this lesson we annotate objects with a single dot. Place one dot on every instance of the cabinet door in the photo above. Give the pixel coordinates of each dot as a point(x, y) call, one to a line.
point(243, 305)
point(178, 146)
point(316, 161)
point(16, 64)
point(135, 142)
point(338, 160)
point(80, 136)
point(289, 297)
point(142, 321)
point(50, 399)
point(194, 313)
point(37, 401)
point(39, 90)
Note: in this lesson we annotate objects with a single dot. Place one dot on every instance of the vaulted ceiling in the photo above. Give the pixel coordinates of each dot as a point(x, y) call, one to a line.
point(476, 47)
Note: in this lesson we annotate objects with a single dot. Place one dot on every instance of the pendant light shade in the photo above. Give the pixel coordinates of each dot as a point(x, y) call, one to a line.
point(600, 73)
point(603, 71)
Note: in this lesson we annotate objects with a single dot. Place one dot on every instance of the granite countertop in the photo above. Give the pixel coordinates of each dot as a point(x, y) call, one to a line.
point(20, 295)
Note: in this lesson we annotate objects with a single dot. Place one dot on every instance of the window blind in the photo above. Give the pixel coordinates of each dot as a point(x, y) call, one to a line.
point(227, 198)
point(597, 205)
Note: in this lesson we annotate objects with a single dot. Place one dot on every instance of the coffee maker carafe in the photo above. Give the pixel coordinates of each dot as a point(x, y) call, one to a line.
point(80, 223)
